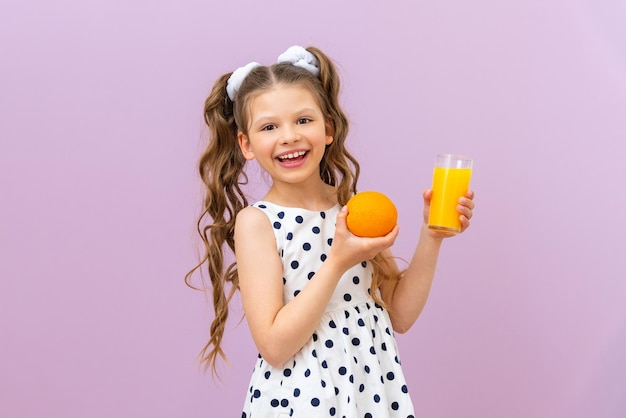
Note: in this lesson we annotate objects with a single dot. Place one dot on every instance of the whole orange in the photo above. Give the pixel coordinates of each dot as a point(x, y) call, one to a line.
point(371, 214)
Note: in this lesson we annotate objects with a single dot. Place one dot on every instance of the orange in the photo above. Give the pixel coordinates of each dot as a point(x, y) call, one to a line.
point(371, 214)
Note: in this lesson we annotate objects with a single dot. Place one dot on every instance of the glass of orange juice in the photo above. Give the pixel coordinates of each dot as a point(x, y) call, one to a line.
point(450, 181)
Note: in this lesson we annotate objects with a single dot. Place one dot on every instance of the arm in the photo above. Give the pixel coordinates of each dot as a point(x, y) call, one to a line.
point(406, 298)
point(279, 330)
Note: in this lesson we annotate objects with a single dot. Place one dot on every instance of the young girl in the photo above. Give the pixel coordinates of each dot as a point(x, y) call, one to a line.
point(322, 304)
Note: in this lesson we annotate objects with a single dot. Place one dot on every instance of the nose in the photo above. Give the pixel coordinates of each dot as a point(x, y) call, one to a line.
point(290, 134)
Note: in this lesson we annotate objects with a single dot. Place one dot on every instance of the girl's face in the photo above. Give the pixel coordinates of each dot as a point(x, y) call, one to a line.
point(287, 134)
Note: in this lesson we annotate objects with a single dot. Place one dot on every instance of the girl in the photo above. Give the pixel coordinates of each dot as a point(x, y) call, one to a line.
point(322, 304)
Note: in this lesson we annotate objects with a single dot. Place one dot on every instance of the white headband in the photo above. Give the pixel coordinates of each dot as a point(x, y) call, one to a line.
point(295, 55)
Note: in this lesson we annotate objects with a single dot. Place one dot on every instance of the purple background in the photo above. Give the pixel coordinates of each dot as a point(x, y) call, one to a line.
point(100, 129)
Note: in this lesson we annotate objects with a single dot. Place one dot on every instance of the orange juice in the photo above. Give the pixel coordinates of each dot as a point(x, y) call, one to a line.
point(449, 184)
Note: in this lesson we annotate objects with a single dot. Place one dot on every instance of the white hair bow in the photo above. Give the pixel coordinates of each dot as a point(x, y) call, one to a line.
point(236, 78)
point(300, 57)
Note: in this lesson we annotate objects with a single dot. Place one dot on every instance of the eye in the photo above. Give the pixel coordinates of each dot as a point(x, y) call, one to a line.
point(268, 127)
point(302, 121)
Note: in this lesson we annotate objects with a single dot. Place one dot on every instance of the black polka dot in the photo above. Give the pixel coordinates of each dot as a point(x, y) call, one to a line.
point(332, 411)
point(284, 403)
point(289, 236)
point(274, 403)
point(280, 215)
point(356, 341)
point(299, 219)
point(256, 394)
point(296, 293)
point(395, 406)
point(405, 389)
point(277, 225)
point(296, 392)
point(294, 264)
point(347, 297)
point(316, 230)
point(306, 246)
point(287, 372)
point(390, 376)
point(329, 343)
point(310, 275)
point(323, 257)
point(343, 370)
point(330, 241)
point(323, 215)
point(332, 324)
point(315, 402)
point(376, 398)
point(356, 280)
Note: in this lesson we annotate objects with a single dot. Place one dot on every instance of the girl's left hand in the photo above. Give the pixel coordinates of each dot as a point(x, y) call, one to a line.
point(465, 209)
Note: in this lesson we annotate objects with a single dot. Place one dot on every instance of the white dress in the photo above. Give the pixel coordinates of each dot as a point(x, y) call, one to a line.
point(350, 366)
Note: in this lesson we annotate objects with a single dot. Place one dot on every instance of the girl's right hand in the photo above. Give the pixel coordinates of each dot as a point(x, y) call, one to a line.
point(349, 249)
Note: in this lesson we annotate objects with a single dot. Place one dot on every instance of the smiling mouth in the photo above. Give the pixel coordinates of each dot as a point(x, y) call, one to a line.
point(292, 156)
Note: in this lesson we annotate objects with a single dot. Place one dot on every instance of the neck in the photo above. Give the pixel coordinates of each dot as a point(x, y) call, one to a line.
point(315, 196)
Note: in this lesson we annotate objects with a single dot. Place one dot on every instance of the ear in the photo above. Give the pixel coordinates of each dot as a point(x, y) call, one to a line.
point(330, 131)
point(244, 146)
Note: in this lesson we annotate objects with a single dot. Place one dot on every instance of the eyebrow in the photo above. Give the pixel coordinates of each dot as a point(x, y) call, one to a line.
point(299, 113)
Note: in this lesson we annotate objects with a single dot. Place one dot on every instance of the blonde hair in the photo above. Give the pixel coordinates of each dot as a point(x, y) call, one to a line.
point(221, 169)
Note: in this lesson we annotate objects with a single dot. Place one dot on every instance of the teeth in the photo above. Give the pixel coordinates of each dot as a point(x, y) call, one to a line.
point(291, 155)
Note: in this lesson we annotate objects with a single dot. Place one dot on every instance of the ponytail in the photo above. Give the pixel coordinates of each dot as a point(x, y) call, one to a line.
point(338, 159)
point(338, 168)
point(221, 170)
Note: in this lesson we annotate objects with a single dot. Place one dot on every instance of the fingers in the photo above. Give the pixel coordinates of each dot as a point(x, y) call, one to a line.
point(466, 208)
point(341, 218)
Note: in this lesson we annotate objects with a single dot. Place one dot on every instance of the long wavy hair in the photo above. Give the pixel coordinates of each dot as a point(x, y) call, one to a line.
point(221, 168)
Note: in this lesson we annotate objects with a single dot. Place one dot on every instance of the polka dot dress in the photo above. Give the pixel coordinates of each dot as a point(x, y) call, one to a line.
point(349, 368)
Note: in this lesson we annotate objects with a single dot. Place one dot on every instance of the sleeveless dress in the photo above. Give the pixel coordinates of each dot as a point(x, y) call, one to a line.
point(350, 366)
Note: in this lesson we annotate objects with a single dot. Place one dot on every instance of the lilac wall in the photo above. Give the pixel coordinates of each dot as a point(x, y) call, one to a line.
point(100, 128)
